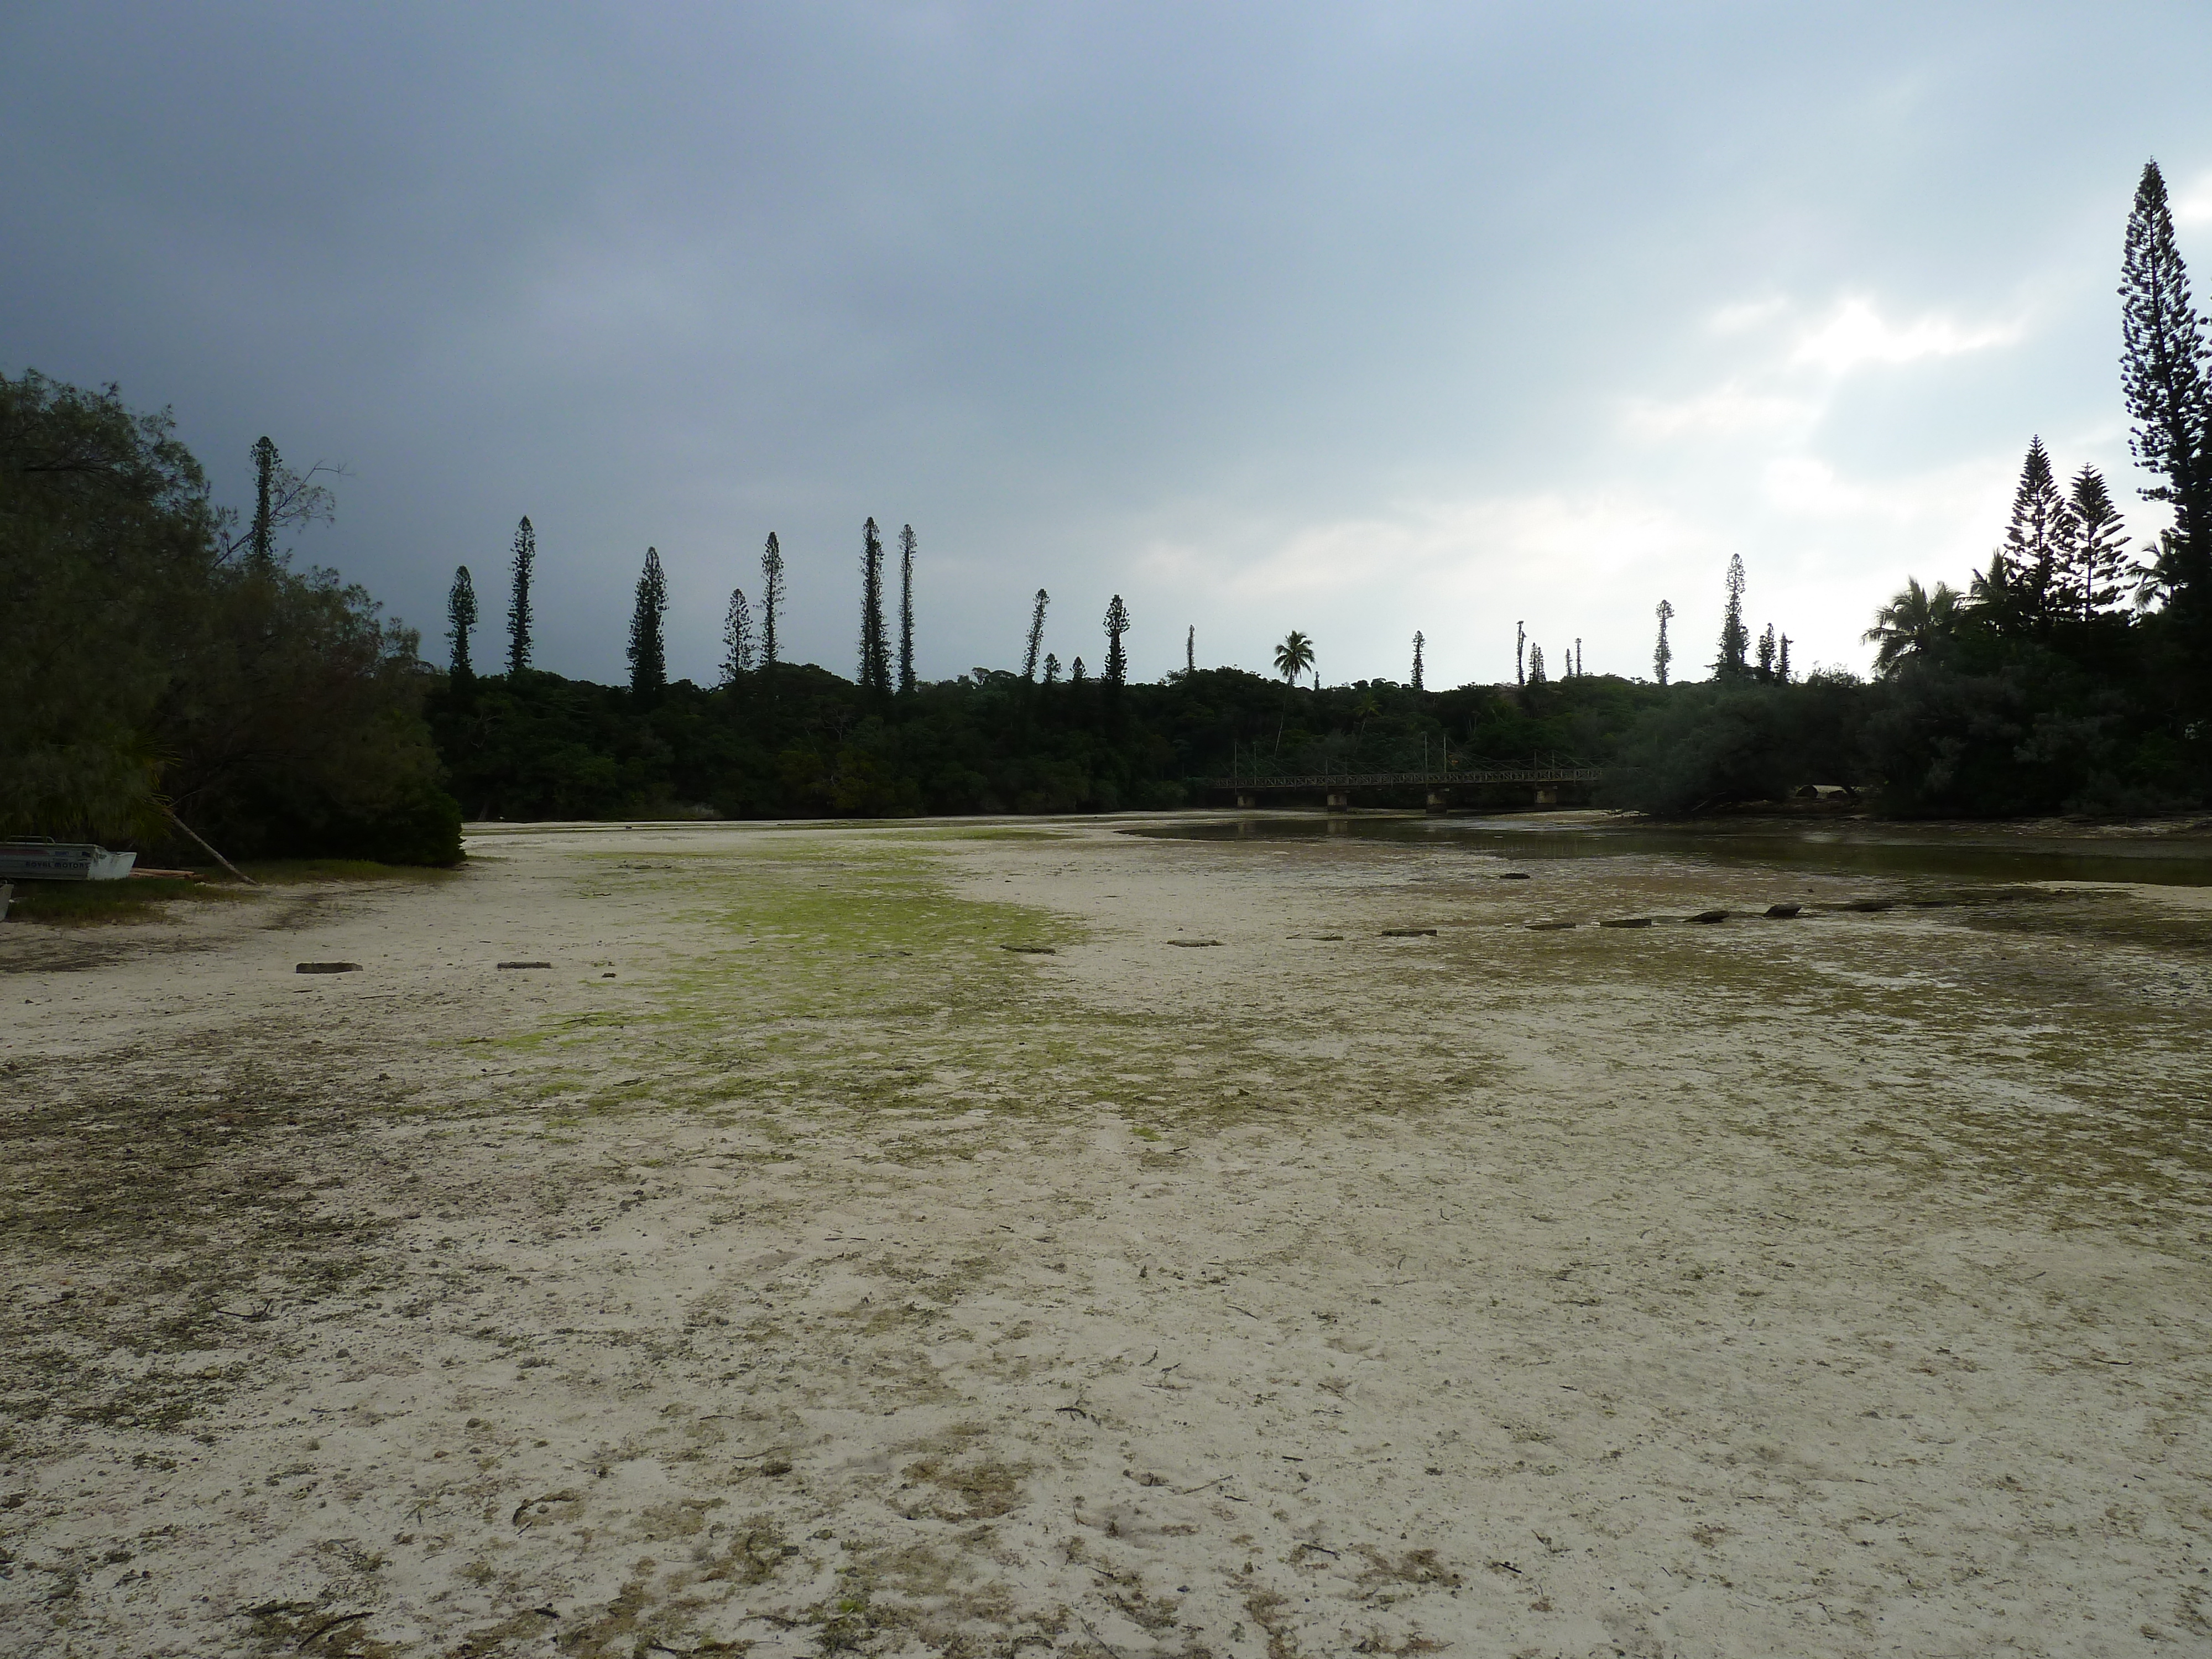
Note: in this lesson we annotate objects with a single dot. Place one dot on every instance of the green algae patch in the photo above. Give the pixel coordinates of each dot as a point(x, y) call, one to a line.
point(797, 975)
point(856, 982)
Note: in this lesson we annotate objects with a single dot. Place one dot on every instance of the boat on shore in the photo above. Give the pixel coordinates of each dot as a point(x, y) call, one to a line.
point(37, 859)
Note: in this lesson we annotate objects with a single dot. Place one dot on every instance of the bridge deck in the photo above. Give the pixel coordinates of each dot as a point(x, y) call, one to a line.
point(1413, 780)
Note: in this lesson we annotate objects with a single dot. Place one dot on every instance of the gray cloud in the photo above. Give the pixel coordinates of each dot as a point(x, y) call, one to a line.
point(1355, 319)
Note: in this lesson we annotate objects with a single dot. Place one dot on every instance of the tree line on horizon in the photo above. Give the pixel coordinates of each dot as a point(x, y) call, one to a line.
point(750, 638)
point(749, 641)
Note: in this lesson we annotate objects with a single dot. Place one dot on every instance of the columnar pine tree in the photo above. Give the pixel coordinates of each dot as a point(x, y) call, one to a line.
point(2016, 590)
point(737, 637)
point(1075, 673)
point(460, 621)
point(771, 600)
point(1418, 642)
point(1735, 641)
point(2162, 356)
point(1578, 656)
point(1051, 669)
point(1782, 661)
point(1662, 654)
point(1520, 646)
point(263, 541)
point(648, 649)
point(1766, 653)
point(1117, 625)
point(1535, 664)
point(2101, 570)
point(1190, 650)
point(875, 651)
point(1036, 634)
point(518, 606)
point(906, 611)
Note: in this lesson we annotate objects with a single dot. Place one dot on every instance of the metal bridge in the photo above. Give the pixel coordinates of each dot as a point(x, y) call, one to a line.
point(1543, 783)
point(1336, 782)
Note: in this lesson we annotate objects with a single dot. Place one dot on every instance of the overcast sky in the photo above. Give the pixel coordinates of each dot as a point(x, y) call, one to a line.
point(1357, 320)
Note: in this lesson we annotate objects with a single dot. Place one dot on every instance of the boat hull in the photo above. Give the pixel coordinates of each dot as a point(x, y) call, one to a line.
point(41, 860)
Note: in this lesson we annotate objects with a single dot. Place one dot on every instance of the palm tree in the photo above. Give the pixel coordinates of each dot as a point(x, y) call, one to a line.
point(1292, 658)
point(1364, 711)
point(1912, 621)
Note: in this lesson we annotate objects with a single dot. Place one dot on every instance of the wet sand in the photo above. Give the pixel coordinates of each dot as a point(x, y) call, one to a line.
point(1232, 1265)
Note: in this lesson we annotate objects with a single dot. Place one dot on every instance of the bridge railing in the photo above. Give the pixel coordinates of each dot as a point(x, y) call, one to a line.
point(1411, 780)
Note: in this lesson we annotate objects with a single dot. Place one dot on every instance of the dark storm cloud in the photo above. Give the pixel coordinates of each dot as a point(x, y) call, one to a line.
point(1356, 319)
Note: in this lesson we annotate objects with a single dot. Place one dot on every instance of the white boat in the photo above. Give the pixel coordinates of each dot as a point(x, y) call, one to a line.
point(40, 859)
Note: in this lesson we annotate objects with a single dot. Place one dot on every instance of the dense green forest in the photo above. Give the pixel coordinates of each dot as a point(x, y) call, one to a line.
point(796, 739)
point(163, 663)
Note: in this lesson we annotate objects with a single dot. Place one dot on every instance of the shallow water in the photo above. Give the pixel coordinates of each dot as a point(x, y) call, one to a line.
point(1973, 853)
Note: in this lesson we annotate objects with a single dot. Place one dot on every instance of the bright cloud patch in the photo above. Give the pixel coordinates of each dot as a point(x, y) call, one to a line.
point(1856, 335)
point(1780, 394)
point(2192, 205)
point(1444, 546)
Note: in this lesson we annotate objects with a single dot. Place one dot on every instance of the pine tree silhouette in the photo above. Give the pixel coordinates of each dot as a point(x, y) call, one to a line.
point(648, 651)
point(1036, 634)
point(1734, 641)
point(2162, 377)
point(262, 542)
point(518, 608)
point(906, 611)
point(771, 600)
point(875, 654)
point(2016, 590)
point(2100, 570)
point(460, 621)
point(1117, 625)
point(737, 637)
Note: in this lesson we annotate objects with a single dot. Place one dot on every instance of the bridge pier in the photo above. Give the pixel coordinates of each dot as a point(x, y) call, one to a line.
point(1436, 801)
point(1245, 798)
point(1339, 801)
point(1547, 794)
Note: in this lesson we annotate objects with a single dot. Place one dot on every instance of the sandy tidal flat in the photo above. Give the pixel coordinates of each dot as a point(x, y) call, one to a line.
point(793, 1267)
